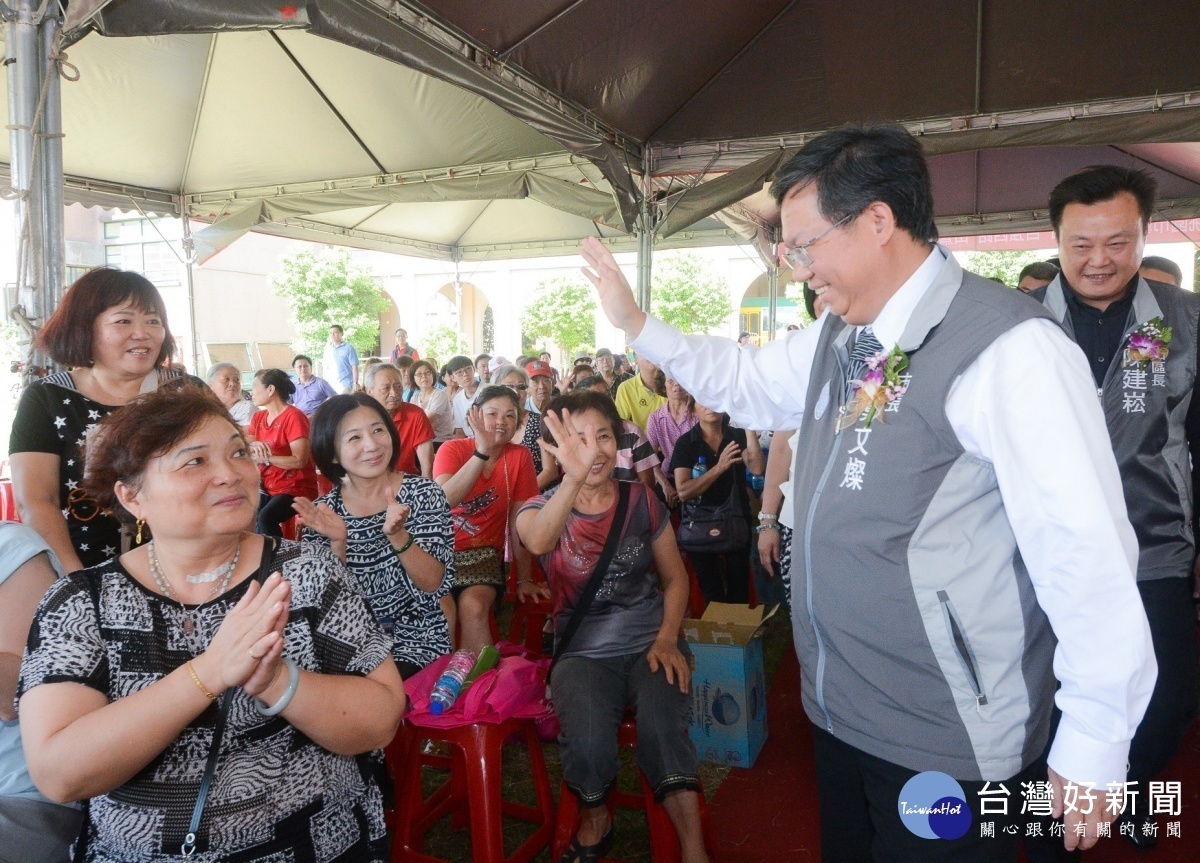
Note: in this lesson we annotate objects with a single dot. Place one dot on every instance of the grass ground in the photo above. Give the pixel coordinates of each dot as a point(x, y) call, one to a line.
point(632, 840)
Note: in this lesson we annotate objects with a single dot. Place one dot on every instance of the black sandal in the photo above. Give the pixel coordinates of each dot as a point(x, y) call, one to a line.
point(577, 853)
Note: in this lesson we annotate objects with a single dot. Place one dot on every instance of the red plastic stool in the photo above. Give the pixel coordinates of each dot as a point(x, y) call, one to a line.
point(8, 502)
point(664, 842)
point(472, 794)
point(528, 621)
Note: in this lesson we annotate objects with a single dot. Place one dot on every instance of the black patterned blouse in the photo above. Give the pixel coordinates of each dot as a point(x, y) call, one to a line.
point(533, 434)
point(276, 795)
point(411, 616)
point(53, 417)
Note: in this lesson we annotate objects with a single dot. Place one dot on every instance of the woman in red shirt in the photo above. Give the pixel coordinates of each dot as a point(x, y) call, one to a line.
point(486, 479)
point(280, 446)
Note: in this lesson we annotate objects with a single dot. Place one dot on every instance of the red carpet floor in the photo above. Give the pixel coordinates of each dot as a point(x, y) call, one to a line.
point(769, 812)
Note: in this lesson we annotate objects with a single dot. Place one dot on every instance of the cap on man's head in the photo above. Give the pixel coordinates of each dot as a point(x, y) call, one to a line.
point(459, 362)
point(495, 363)
point(537, 367)
point(603, 352)
point(583, 357)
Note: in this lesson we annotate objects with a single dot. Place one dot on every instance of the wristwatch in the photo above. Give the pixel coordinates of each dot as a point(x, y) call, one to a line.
point(480, 455)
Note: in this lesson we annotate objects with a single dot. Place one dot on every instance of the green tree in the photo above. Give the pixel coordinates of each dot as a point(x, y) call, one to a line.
point(795, 292)
point(562, 311)
point(686, 294)
point(325, 287)
point(1005, 266)
point(443, 342)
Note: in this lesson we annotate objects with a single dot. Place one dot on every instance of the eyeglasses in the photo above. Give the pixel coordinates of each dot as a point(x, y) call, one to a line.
point(798, 256)
point(521, 387)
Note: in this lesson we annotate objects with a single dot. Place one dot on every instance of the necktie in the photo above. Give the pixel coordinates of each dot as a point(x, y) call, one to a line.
point(865, 346)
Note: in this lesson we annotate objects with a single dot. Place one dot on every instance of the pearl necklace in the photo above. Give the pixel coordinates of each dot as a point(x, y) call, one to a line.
point(160, 579)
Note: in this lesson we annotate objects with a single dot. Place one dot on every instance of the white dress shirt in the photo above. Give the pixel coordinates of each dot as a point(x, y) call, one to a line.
point(1028, 407)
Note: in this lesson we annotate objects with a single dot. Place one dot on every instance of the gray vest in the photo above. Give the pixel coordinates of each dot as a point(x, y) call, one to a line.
point(1145, 407)
point(920, 638)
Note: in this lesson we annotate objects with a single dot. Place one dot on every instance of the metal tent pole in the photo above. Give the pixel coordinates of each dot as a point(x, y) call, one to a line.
point(645, 247)
point(50, 169)
point(24, 79)
point(772, 293)
point(189, 257)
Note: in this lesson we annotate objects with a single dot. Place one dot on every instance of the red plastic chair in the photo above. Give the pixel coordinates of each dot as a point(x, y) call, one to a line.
point(8, 501)
point(664, 842)
point(528, 621)
point(472, 794)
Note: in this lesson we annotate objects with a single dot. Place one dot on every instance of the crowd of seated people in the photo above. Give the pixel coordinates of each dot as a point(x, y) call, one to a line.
point(154, 507)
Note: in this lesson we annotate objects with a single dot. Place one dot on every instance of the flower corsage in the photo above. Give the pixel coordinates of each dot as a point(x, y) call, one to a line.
point(1148, 343)
point(882, 383)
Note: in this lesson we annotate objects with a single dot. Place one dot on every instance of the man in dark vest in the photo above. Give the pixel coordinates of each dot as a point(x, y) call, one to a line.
point(1139, 337)
point(960, 532)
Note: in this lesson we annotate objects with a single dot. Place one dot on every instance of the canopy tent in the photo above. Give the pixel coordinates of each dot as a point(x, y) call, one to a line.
point(460, 130)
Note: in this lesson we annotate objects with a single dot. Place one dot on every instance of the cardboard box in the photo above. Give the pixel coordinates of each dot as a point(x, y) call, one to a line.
point(728, 720)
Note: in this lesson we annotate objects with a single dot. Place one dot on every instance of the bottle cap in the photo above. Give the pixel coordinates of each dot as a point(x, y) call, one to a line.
point(436, 708)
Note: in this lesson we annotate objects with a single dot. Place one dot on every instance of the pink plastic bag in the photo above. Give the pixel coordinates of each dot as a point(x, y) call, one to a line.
point(515, 688)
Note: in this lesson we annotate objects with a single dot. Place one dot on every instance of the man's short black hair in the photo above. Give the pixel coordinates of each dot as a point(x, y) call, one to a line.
point(1103, 183)
point(459, 362)
point(482, 357)
point(338, 327)
point(857, 165)
point(300, 357)
point(1157, 262)
point(1043, 271)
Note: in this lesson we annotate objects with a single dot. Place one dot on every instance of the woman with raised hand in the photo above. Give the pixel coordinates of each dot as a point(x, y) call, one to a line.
point(128, 660)
point(529, 423)
point(110, 332)
point(392, 529)
point(281, 449)
point(727, 453)
point(486, 478)
point(622, 648)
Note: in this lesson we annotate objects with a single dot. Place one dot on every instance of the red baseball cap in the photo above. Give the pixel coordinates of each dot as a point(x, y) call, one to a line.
point(537, 367)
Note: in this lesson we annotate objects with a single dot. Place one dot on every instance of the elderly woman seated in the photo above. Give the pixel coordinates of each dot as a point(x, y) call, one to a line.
point(210, 648)
point(622, 648)
point(225, 381)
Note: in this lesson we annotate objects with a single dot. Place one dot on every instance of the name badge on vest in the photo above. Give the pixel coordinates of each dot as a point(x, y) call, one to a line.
point(822, 402)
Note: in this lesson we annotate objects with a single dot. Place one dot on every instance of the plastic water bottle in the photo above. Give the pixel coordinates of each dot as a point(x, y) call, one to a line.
point(448, 687)
point(700, 468)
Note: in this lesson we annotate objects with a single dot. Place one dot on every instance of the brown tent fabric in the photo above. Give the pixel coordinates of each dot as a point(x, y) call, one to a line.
point(705, 99)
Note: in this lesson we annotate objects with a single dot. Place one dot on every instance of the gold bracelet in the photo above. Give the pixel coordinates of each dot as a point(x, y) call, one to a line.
point(199, 682)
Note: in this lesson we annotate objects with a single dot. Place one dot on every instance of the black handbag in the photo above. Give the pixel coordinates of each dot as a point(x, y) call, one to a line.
point(709, 529)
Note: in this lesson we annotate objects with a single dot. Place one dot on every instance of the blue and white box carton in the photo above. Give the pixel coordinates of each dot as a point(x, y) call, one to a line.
point(728, 720)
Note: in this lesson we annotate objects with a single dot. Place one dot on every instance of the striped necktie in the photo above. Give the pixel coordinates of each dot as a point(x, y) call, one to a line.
point(865, 346)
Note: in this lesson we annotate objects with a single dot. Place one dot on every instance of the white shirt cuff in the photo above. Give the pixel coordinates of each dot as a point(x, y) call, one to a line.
point(1083, 759)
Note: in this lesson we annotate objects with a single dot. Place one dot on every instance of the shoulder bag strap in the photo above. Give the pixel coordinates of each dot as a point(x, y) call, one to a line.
point(593, 585)
point(270, 558)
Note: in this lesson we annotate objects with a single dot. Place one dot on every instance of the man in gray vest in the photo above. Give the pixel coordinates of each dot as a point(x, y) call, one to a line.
point(1139, 337)
point(960, 533)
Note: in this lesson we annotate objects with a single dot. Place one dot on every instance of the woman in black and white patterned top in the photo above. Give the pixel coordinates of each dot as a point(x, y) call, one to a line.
point(126, 662)
point(392, 529)
point(110, 331)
